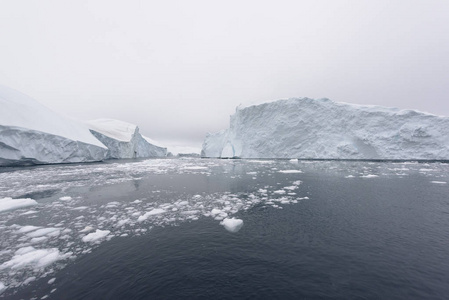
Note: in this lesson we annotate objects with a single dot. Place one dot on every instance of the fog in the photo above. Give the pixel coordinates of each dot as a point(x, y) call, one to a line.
point(178, 69)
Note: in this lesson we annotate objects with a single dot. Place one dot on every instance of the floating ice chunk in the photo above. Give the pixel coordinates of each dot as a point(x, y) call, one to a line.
point(30, 212)
point(80, 208)
point(218, 214)
point(28, 228)
point(123, 222)
point(31, 257)
point(51, 281)
point(45, 231)
point(29, 279)
point(65, 198)
point(95, 236)
point(11, 204)
point(87, 229)
point(38, 240)
point(349, 176)
point(369, 176)
point(439, 182)
point(284, 200)
point(290, 171)
point(291, 188)
point(232, 225)
point(279, 192)
point(216, 211)
point(153, 212)
point(294, 160)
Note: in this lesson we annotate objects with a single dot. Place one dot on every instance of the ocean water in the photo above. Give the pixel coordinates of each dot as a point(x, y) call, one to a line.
point(151, 229)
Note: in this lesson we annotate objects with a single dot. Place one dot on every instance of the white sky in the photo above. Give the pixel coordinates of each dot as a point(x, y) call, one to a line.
point(178, 69)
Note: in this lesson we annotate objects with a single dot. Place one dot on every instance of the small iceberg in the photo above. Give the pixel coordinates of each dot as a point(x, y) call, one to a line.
point(232, 225)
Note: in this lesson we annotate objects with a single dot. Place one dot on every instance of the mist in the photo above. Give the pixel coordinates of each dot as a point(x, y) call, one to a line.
point(178, 69)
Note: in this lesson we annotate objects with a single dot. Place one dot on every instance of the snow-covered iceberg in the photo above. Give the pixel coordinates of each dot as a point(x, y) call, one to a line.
point(124, 140)
point(323, 129)
point(30, 133)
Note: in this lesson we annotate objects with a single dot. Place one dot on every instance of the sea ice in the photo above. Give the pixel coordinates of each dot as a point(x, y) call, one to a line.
point(87, 229)
point(369, 176)
point(44, 231)
point(232, 224)
point(28, 228)
point(11, 204)
point(290, 171)
point(95, 236)
point(31, 257)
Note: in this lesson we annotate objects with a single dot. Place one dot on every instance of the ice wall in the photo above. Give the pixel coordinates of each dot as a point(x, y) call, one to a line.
point(30, 133)
point(124, 140)
point(323, 129)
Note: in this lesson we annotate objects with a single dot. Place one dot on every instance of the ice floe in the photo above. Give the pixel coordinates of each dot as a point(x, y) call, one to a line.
point(232, 225)
point(96, 236)
point(11, 204)
point(29, 257)
point(290, 171)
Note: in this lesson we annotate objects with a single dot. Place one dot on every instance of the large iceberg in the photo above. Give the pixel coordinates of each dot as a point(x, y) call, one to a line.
point(322, 129)
point(30, 133)
point(124, 140)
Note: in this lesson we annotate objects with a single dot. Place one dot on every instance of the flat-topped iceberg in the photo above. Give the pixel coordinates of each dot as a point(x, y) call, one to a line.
point(323, 129)
point(30, 133)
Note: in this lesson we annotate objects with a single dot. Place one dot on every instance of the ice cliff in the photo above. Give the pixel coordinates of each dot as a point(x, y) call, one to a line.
point(30, 133)
point(323, 129)
point(124, 140)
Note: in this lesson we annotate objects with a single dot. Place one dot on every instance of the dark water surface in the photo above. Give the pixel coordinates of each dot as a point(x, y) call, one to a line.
point(359, 230)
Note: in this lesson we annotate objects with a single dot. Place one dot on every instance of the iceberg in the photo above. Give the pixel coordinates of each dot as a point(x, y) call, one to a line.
point(305, 128)
point(232, 224)
point(124, 140)
point(30, 133)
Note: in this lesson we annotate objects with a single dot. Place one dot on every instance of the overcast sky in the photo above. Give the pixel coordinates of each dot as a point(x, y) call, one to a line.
point(178, 69)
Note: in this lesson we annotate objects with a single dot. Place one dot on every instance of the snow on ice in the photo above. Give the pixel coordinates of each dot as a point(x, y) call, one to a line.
point(323, 129)
point(33, 134)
